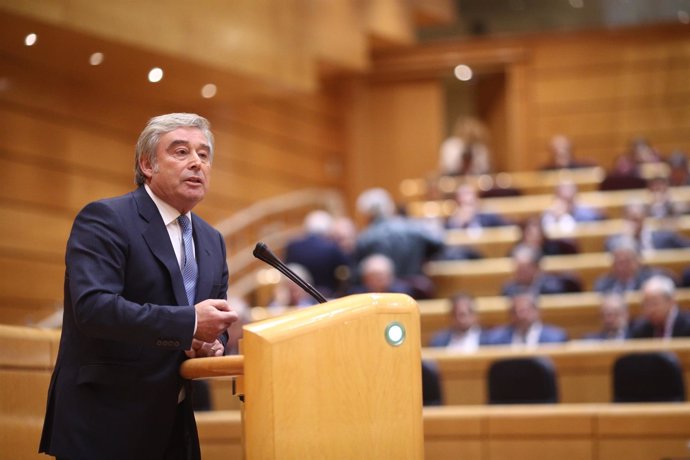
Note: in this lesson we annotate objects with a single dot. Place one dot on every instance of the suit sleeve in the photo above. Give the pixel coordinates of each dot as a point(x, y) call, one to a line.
point(97, 256)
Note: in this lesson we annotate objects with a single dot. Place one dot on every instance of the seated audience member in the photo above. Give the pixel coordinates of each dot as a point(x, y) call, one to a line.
point(344, 233)
point(626, 273)
point(642, 152)
point(407, 243)
point(661, 316)
point(533, 236)
point(624, 175)
point(565, 212)
point(678, 174)
point(525, 326)
point(661, 204)
point(561, 150)
point(528, 276)
point(466, 151)
point(316, 252)
point(468, 214)
point(289, 295)
point(469, 217)
point(646, 239)
point(464, 333)
point(377, 274)
point(614, 319)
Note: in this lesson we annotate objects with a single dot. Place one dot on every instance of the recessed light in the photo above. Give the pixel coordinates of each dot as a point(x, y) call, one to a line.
point(463, 72)
point(30, 40)
point(155, 75)
point(96, 59)
point(208, 90)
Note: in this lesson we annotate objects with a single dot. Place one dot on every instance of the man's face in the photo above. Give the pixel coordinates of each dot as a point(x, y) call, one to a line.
point(464, 315)
point(523, 312)
point(625, 264)
point(182, 172)
point(656, 306)
point(613, 316)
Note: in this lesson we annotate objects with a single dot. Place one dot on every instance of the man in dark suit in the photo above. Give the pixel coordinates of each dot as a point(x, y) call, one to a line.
point(614, 319)
point(526, 327)
point(627, 272)
point(661, 317)
point(528, 276)
point(144, 290)
point(646, 239)
point(320, 255)
point(464, 333)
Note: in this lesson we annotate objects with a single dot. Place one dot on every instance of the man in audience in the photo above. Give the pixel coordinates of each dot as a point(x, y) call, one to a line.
point(561, 150)
point(464, 333)
point(565, 211)
point(645, 238)
point(377, 274)
point(289, 295)
point(661, 317)
point(614, 319)
point(406, 242)
point(626, 273)
point(526, 327)
point(468, 214)
point(528, 276)
point(316, 252)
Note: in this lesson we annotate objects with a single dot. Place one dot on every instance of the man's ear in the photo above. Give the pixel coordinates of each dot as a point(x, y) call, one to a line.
point(146, 167)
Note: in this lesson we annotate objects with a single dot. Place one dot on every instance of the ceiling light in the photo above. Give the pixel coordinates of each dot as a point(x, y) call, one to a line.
point(155, 75)
point(96, 59)
point(463, 72)
point(208, 91)
point(30, 40)
point(683, 17)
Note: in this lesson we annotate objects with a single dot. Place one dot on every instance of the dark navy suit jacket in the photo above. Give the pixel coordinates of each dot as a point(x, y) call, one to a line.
point(643, 329)
point(503, 335)
point(114, 391)
point(321, 257)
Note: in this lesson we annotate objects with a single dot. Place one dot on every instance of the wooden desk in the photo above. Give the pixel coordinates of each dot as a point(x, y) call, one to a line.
point(578, 313)
point(485, 277)
point(563, 431)
point(611, 203)
point(590, 236)
point(543, 432)
point(528, 182)
point(583, 368)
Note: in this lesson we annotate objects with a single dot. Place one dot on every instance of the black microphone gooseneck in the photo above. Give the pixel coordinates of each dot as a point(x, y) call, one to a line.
point(262, 252)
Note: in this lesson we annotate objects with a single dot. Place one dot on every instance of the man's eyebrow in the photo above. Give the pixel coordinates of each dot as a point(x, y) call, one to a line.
point(177, 142)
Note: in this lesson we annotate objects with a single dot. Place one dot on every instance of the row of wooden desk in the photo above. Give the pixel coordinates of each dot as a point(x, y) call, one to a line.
point(563, 431)
point(516, 208)
point(588, 236)
point(485, 277)
point(577, 313)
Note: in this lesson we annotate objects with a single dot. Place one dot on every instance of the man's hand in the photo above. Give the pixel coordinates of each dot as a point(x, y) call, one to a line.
point(213, 317)
point(204, 349)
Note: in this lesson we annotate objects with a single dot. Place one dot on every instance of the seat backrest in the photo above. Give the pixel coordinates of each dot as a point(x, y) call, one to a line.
point(432, 394)
point(530, 380)
point(648, 377)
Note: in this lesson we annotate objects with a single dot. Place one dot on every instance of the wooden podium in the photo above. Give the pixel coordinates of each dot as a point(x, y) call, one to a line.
point(340, 380)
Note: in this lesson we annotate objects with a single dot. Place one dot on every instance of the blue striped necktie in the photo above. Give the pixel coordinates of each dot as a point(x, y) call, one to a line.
point(189, 268)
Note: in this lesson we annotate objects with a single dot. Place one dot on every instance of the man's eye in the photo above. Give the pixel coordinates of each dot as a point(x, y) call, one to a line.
point(204, 156)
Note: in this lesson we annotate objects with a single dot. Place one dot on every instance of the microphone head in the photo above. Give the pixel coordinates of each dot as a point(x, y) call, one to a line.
point(262, 252)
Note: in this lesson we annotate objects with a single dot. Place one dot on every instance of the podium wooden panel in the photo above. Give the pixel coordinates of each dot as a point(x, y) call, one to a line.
point(325, 382)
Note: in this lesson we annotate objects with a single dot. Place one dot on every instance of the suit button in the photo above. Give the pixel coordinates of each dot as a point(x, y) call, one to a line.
point(159, 342)
point(176, 343)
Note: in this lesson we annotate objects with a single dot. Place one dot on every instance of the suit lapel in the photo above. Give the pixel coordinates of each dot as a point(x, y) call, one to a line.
point(156, 236)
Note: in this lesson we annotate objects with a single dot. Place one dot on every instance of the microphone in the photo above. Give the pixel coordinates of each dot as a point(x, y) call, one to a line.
point(262, 252)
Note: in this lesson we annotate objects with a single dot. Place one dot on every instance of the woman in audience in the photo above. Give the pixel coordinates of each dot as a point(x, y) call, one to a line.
point(466, 151)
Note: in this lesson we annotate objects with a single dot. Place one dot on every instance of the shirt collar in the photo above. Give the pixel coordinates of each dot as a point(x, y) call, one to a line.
point(167, 212)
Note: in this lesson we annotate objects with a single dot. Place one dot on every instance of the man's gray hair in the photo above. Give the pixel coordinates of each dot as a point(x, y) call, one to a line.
point(661, 284)
point(375, 203)
point(160, 125)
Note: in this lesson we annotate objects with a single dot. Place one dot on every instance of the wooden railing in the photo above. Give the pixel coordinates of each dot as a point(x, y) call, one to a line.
point(275, 221)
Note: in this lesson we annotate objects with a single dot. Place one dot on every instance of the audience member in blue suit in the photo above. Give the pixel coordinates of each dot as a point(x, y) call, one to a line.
point(528, 276)
point(661, 317)
point(627, 272)
point(525, 327)
point(464, 333)
point(318, 253)
point(614, 319)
